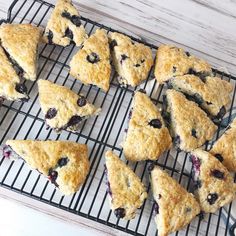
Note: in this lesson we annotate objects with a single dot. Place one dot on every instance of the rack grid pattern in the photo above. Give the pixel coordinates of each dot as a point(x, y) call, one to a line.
point(25, 121)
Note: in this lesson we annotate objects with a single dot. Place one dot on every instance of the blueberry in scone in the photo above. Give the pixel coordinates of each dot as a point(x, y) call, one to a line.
point(212, 94)
point(215, 186)
point(10, 87)
point(20, 42)
point(91, 64)
point(64, 25)
point(132, 60)
point(174, 207)
point(224, 149)
point(63, 109)
point(65, 163)
point(172, 61)
point(147, 136)
point(125, 189)
point(189, 124)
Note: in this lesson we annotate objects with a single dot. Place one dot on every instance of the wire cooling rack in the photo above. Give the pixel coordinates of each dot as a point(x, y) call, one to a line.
point(25, 121)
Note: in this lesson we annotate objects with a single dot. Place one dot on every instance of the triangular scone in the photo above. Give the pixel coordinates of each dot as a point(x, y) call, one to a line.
point(10, 87)
point(63, 109)
point(21, 43)
point(65, 163)
point(91, 64)
point(172, 61)
point(174, 206)
point(126, 191)
point(211, 93)
point(189, 124)
point(225, 148)
point(147, 137)
point(215, 185)
point(64, 25)
point(132, 60)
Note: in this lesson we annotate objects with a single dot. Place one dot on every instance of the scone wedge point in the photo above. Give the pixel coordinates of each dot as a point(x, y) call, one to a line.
point(65, 163)
point(125, 189)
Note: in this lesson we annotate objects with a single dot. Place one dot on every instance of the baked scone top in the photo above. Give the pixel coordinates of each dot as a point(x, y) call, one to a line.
point(174, 206)
point(215, 185)
point(63, 108)
point(172, 61)
point(211, 93)
point(189, 124)
point(225, 148)
point(147, 137)
point(10, 87)
point(21, 43)
point(91, 64)
point(132, 60)
point(126, 190)
point(64, 25)
point(65, 163)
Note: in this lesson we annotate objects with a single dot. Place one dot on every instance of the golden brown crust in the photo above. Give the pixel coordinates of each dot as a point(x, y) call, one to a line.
point(9, 80)
point(21, 42)
point(132, 60)
point(126, 189)
point(189, 123)
point(172, 61)
point(212, 93)
point(58, 25)
point(216, 187)
point(176, 207)
point(45, 155)
point(143, 141)
point(226, 147)
point(65, 102)
point(88, 69)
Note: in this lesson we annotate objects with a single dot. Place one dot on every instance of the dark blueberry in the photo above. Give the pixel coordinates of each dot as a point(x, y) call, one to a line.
point(198, 184)
point(137, 65)
point(151, 166)
point(219, 157)
point(120, 212)
point(169, 85)
point(52, 175)
point(143, 60)
point(159, 196)
point(113, 43)
point(188, 209)
point(76, 20)
point(191, 71)
point(194, 133)
point(217, 174)
point(51, 113)
point(93, 58)
point(66, 15)
point(123, 57)
point(176, 140)
point(211, 198)
point(201, 215)
point(21, 88)
point(155, 123)
point(142, 91)
point(81, 101)
point(187, 54)
point(174, 69)
point(62, 161)
point(6, 151)
point(209, 103)
point(156, 208)
point(221, 113)
point(69, 33)
point(50, 36)
point(74, 120)
point(196, 163)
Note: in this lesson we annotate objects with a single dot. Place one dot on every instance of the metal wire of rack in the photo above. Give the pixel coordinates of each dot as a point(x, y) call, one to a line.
point(25, 121)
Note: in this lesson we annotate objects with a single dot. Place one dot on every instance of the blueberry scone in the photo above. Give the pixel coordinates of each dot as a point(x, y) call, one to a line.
point(65, 163)
point(189, 124)
point(211, 93)
point(147, 137)
point(20, 42)
point(64, 25)
point(225, 148)
point(125, 189)
point(132, 60)
point(91, 64)
point(215, 185)
point(10, 86)
point(174, 206)
point(63, 109)
point(172, 61)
